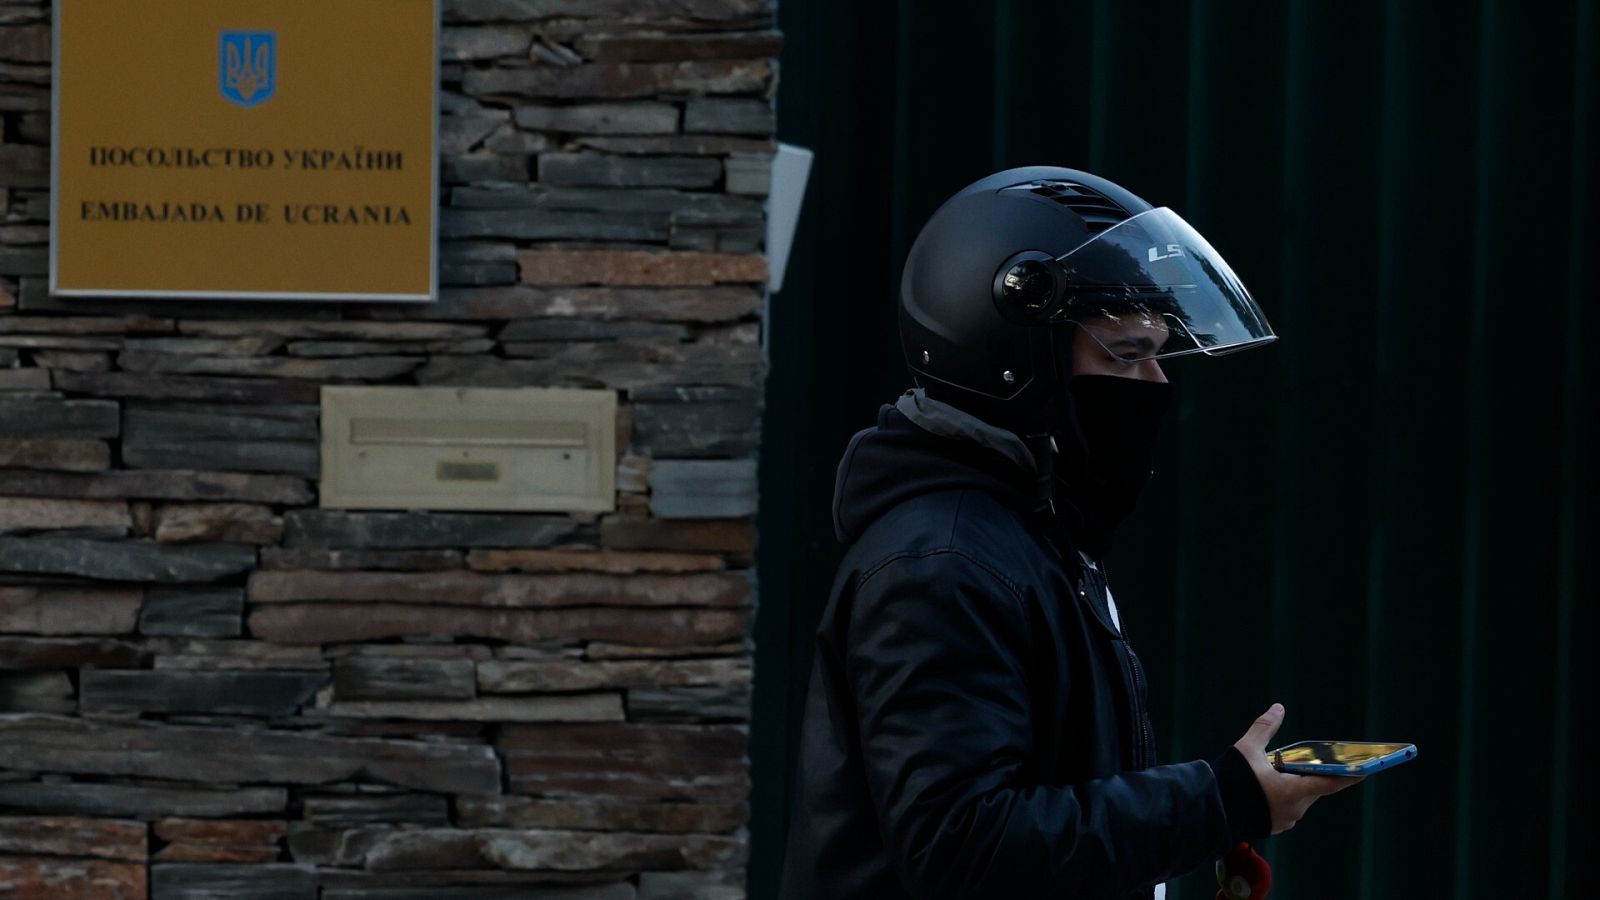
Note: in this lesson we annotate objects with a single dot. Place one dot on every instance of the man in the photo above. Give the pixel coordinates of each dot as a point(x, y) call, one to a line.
point(976, 724)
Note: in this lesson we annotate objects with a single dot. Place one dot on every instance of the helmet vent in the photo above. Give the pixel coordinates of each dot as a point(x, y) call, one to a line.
point(1098, 211)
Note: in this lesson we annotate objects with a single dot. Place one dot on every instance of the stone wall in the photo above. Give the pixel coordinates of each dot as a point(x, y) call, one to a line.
point(211, 688)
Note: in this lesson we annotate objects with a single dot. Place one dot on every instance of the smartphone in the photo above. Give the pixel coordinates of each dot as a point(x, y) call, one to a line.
point(1340, 757)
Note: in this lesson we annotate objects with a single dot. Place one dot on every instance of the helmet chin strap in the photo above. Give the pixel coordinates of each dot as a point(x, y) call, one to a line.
point(1043, 448)
point(1064, 429)
point(1058, 510)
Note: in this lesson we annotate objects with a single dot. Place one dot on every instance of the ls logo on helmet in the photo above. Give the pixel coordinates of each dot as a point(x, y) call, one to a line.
point(1172, 250)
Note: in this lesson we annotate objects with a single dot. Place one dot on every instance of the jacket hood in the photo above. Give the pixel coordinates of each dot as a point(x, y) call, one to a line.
point(922, 446)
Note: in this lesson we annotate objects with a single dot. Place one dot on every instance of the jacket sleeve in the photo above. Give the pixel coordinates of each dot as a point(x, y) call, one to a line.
point(935, 656)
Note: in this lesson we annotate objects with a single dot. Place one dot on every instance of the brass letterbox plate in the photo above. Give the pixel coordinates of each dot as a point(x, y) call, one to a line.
point(535, 449)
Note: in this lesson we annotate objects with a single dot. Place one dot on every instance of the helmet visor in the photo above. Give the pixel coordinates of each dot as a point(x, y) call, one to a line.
point(1151, 287)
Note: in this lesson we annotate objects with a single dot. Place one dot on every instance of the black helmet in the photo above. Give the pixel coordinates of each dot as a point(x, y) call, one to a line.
point(1010, 262)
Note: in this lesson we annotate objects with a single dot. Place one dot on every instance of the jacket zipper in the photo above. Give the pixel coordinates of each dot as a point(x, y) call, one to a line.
point(1138, 708)
point(1142, 752)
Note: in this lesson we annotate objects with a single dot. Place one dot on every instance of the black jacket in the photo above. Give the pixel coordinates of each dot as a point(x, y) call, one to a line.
point(976, 723)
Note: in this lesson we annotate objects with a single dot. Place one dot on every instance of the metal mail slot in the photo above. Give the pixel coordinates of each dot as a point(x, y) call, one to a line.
point(481, 433)
point(534, 449)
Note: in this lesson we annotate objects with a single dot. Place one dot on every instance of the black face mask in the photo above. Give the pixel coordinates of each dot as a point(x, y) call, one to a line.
point(1118, 420)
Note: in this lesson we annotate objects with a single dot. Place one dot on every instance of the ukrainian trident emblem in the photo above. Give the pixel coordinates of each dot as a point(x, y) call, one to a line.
point(249, 66)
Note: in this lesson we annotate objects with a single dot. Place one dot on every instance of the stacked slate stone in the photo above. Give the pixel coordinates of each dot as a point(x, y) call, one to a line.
point(212, 688)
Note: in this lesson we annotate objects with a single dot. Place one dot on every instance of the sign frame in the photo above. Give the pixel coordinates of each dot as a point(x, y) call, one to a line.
point(58, 8)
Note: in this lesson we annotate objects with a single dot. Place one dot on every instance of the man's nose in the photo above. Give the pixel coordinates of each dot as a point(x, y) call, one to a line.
point(1149, 370)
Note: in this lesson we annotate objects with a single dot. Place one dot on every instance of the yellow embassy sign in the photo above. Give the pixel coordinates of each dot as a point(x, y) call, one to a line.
point(282, 149)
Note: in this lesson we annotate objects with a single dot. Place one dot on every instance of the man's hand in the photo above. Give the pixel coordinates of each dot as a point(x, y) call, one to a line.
point(1288, 795)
